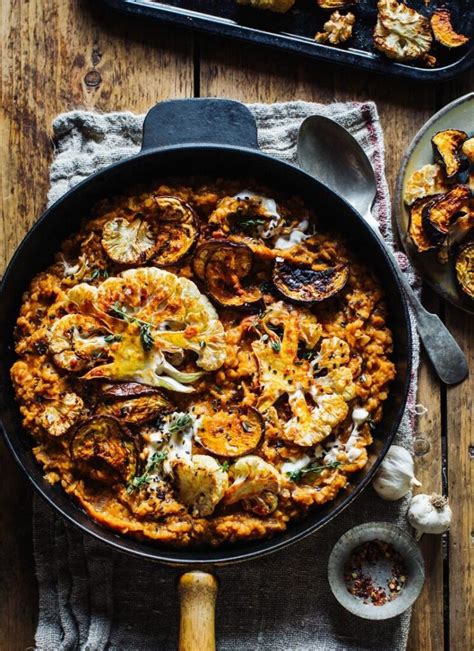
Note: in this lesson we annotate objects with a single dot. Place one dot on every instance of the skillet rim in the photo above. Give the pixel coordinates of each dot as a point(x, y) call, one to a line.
point(232, 553)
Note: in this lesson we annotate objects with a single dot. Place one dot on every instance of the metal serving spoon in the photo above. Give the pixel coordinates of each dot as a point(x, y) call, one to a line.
point(331, 154)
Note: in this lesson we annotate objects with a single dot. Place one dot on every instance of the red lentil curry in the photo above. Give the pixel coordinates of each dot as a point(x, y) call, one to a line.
point(202, 364)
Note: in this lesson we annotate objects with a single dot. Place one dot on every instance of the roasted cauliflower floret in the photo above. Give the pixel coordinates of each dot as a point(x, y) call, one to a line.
point(76, 341)
point(251, 477)
point(308, 426)
point(280, 6)
point(128, 242)
point(201, 483)
point(334, 352)
point(337, 30)
point(424, 182)
point(278, 373)
point(401, 33)
point(60, 415)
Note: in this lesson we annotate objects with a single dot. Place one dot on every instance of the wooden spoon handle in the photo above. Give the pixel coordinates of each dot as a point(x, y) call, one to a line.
point(197, 592)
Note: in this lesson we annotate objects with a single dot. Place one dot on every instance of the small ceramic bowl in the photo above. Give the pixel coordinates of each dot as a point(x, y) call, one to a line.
point(410, 553)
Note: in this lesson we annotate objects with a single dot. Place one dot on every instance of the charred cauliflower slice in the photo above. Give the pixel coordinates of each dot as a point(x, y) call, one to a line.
point(59, 416)
point(337, 30)
point(128, 242)
point(401, 33)
point(252, 477)
point(201, 483)
point(152, 314)
point(280, 6)
point(425, 182)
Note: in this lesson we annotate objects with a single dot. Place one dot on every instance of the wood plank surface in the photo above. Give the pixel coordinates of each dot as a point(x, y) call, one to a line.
point(57, 56)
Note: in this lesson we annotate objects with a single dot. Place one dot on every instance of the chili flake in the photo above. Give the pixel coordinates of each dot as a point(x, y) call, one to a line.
point(375, 572)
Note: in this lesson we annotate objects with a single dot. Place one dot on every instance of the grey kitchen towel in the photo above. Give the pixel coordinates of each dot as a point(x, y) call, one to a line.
point(92, 598)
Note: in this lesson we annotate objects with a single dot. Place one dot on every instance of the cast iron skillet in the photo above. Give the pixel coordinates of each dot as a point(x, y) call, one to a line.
point(184, 138)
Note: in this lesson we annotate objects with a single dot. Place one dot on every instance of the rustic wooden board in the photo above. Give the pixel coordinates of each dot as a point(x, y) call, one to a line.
point(57, 56)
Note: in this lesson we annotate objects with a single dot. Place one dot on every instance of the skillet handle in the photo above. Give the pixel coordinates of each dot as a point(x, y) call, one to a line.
point(197, 592)
point(199, 121)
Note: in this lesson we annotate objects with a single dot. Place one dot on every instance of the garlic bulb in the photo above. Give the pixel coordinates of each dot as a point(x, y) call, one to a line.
point(396, 475)
point(429, 514)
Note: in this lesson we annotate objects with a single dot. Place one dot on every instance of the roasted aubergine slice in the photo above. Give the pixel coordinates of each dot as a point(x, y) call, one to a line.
point(104, 450)
point(416, 229)
point(133, 403)
point(443, 30)
point(226, 269)
point(465, 268)
point(303, 285)
point(440, 213)
point(447, 150)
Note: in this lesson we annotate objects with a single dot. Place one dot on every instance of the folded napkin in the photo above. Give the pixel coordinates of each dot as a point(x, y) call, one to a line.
point(92, 598)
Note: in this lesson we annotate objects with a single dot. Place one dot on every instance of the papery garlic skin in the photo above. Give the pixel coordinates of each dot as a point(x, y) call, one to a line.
point(395, 477)
point(429, 514)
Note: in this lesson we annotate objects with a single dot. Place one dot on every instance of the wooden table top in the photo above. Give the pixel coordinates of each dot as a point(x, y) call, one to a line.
point(58, 56)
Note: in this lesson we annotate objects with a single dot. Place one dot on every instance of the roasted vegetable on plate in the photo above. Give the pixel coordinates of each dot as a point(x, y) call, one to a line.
point(440, 204)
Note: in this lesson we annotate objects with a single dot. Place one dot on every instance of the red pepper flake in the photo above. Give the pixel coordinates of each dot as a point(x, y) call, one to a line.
point(375, 572)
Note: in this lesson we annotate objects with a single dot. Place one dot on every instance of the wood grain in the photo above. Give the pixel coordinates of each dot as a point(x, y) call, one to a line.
point(460, 442)
point(197, 629)
point(427, 632)
point(58, 56)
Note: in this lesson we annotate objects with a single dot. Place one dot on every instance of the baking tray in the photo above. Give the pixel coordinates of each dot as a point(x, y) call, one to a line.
point(295, 30)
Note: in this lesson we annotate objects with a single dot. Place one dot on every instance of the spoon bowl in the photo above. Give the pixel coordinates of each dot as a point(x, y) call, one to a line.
point(321, 141)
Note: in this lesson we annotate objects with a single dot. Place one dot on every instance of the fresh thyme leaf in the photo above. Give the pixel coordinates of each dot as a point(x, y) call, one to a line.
point(99, 273)
point(225, 466)
point(146, 337)
point(111, 338)
point(296, 475)
point(180, 422)
point(276, 345)
point(202, 344)
point(249, 225)
point(246, 427)
point(141, 480)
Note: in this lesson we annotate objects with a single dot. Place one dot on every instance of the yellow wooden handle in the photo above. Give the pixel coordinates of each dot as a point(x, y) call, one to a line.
point(197, 592)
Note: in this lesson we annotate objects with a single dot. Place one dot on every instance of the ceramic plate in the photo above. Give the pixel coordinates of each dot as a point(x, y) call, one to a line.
point(442, 278)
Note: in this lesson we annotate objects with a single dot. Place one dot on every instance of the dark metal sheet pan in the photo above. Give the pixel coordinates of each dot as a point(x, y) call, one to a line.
point(295, 30)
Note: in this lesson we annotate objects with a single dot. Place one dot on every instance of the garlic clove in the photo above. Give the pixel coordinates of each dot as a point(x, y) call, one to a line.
point(395, 477)
point(429, 514)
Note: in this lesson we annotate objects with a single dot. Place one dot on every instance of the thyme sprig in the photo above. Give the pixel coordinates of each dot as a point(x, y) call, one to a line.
point(142, 480)
point(249, 225)
point(296, 475)
point(146, 336)
point(179, 423)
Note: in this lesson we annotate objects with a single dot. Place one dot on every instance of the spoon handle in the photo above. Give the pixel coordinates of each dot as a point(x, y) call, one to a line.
point(444, 352)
